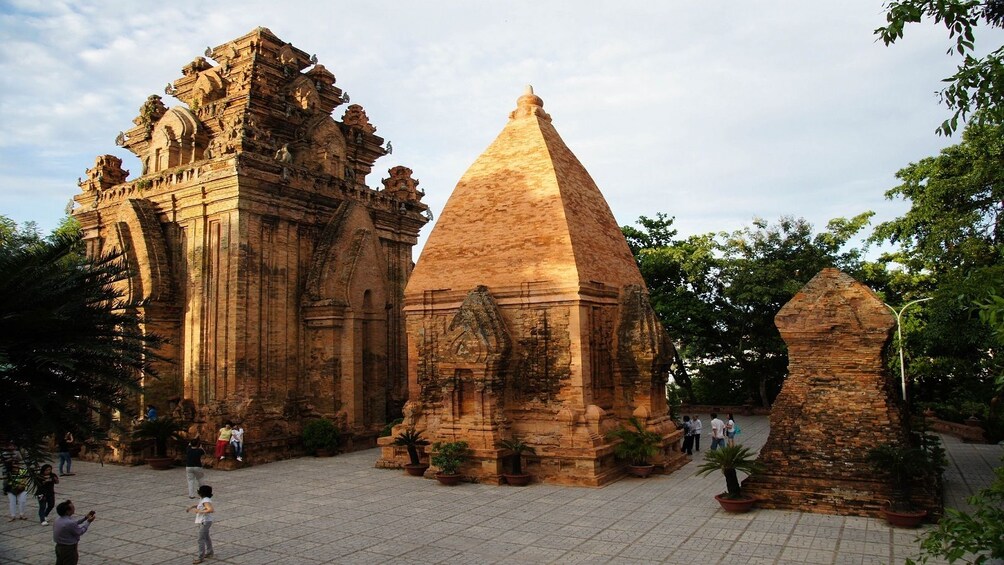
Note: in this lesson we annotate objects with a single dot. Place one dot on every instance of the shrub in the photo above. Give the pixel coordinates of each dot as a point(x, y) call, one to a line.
point(450, 455)
point(320, 434)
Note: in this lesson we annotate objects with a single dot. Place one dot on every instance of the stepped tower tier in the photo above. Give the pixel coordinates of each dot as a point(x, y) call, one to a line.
point(527, 317)
point(260, 252)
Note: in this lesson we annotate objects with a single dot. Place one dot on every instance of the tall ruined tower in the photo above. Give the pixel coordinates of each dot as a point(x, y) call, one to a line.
point(257, 248)
point(527, 316)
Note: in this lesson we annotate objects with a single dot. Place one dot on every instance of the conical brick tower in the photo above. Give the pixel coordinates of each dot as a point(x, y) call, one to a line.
point(528, 318)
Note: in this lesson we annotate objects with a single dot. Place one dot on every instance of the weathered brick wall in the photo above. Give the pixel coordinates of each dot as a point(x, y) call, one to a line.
point(837, 403)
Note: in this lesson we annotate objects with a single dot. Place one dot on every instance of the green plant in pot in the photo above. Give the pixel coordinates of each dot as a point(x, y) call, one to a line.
point(320, 437)
point(448, 456)
point(902, 464)
point(518, 447)
point(161, 431)
point(730, 460)
point(411, 439)
point(637, 446)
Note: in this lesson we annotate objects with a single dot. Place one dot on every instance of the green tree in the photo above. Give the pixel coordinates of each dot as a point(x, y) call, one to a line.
point(69, 346)
point(950, 246)
point(977, 87)
point(717, 294)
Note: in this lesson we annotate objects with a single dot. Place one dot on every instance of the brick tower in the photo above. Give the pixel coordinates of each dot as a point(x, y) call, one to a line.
point(527, 316)
point(837, 403)
point(257, 248)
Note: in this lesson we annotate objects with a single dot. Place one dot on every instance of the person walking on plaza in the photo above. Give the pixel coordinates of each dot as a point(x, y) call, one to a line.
point(697, 432)
point(193, 467)
point(66, 532)
point(717, 432)
point(15, 484)
point(15, 481)
point(64, 443)
point(237, 441)
point(730, 430)
point(204, 519)
point(688, 436)
point(47, 481)
point(222, 440)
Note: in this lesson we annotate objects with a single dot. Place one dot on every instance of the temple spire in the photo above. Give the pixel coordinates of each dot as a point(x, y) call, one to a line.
point(529, 104)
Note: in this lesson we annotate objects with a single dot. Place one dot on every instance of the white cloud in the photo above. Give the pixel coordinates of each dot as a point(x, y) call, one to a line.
point(714, 112)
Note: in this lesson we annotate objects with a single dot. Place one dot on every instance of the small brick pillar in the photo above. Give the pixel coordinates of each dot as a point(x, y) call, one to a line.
point(837, 403)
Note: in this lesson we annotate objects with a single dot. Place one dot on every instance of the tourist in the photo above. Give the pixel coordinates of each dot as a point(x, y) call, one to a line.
point(15, 482)
point(717, 432)
point(151, 413)
point(193, 466)
point(66, 532)
point(237, 441)
point(222, 440)
point(697, 433)
point(46, 494)
point(204, 518)
point(688, 436)
point(730, 430)
point(64, 443)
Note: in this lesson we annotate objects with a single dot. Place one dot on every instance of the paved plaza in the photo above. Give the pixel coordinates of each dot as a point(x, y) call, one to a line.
point(343, 510)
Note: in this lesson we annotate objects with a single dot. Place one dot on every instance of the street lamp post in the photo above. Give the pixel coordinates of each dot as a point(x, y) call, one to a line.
point(899, 338)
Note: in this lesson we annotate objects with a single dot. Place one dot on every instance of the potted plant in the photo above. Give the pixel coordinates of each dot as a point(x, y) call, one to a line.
point(412, 439)
point(161, 431)
point(731, 459)
point(518, 447)
point(320, 437)
point(449, 456)
point(902, 465)
point(637, 445)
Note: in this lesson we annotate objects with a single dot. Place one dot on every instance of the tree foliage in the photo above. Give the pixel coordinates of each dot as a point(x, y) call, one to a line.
point(977, 87)
point(950, 247)
point(69, 345)
point(717, 295)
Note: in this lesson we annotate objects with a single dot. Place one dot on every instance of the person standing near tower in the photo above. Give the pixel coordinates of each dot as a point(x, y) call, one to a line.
point(697, 433)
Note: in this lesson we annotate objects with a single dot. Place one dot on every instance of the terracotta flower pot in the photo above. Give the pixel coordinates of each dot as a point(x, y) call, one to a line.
point(448, 480)
point(736, 505)
point(160, 463)
point(520, 480)
point(904, 518)
point(416, 470)
point(641, 471)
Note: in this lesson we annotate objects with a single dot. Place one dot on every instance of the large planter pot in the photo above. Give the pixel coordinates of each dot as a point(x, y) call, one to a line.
point(736, 505)
point(448, 480)
point(416, 470)
point(160, 463)
point(904, 518)
point(641, 471)
point(520, 480)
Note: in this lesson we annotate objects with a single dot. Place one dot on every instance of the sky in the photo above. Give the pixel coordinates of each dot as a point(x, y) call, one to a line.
point(714, 112)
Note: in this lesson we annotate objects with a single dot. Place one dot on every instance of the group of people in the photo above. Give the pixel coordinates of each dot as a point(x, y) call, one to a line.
point(68, 528)
point(232, 435)
point(17, 478)
point(722, 432)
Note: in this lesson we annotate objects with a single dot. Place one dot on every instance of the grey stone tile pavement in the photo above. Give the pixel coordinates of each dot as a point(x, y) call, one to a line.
point(343, 510)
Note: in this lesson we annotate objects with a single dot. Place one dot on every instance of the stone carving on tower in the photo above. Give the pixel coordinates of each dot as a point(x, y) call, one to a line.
point(275, 273)
point(528, 318)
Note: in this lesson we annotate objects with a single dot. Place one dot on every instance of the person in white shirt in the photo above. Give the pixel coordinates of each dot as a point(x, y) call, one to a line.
point(730, 430)
point(237, 441)
point(697, 433)
point(204, 518)
point(717, 432)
